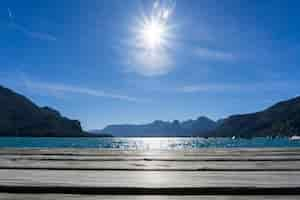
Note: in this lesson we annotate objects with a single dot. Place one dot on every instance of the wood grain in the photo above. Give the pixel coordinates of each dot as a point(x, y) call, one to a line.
point(6, 196)
point(207, 171)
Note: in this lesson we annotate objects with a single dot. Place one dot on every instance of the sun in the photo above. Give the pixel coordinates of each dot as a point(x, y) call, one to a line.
point(153, 30)
point(153, 34)
point(152, 39)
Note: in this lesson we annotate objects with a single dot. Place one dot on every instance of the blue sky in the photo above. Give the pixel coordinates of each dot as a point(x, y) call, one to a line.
point(85, 58)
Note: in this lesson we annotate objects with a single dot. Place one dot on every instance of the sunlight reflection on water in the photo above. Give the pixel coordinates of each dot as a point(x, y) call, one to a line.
point(154, 143)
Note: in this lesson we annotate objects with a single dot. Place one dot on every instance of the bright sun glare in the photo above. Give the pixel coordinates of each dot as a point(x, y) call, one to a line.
point(153, 33)
point(154, 29)
point(153, 39)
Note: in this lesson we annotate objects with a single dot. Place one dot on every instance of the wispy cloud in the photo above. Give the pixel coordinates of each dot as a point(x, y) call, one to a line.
point(56, 88)
point(207, 88)
point(33, 34)
point(10, 15)
point(238, 87)
point(26, 31)
point(213, 54)
point(149, 64)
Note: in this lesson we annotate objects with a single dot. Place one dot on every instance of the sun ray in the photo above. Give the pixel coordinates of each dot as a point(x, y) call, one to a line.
point(153, 33)
point(153, 39)
point(153, 30)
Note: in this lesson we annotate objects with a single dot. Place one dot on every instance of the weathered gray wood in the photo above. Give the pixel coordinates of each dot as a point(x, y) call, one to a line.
point(39, 169)
point(218, 155)
point(148, 179)
point(280, 160)
point(157, 157)
point(4, 196)
point(103, 152)
point(151, 165)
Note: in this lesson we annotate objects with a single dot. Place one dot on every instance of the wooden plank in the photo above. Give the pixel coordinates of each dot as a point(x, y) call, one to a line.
point(5, 196)
point(156, 157)
point(227, 160)
point(89, 197)
point(95, 155)
point(133, 153)
point(148, 179)
point(152, 165)
point(238, 171)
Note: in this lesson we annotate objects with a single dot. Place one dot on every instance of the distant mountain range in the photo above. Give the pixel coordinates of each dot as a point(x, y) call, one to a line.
point(281, 119)
point(162, 128)
point(21, 117)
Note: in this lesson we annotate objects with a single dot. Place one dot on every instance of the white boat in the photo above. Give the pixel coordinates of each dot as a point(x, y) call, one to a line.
point(233, 138)
point(295, 137)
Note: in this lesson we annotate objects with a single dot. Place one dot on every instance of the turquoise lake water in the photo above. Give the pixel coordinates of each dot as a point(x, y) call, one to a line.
point(146, 143)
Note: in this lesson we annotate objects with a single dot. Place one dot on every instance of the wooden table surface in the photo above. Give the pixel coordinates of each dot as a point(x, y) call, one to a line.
point(234, 174)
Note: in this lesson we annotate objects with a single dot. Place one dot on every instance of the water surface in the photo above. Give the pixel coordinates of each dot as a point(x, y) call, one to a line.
point(146, 143)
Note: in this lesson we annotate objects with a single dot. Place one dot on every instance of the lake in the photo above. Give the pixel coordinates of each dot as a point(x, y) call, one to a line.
point(146, 143)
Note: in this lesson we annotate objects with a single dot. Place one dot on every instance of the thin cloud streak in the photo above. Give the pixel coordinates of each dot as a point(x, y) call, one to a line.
point(26, 31)
point(10, 15)
point(51, 88)
point(33, 34)
point(212, 54)
point(150, 64)
point(249, 87)
point(207, 88)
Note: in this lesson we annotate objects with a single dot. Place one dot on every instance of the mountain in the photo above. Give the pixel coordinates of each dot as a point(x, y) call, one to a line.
point(162, 129)
point(281, 119)
point(97, 133)
point(20, 117)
